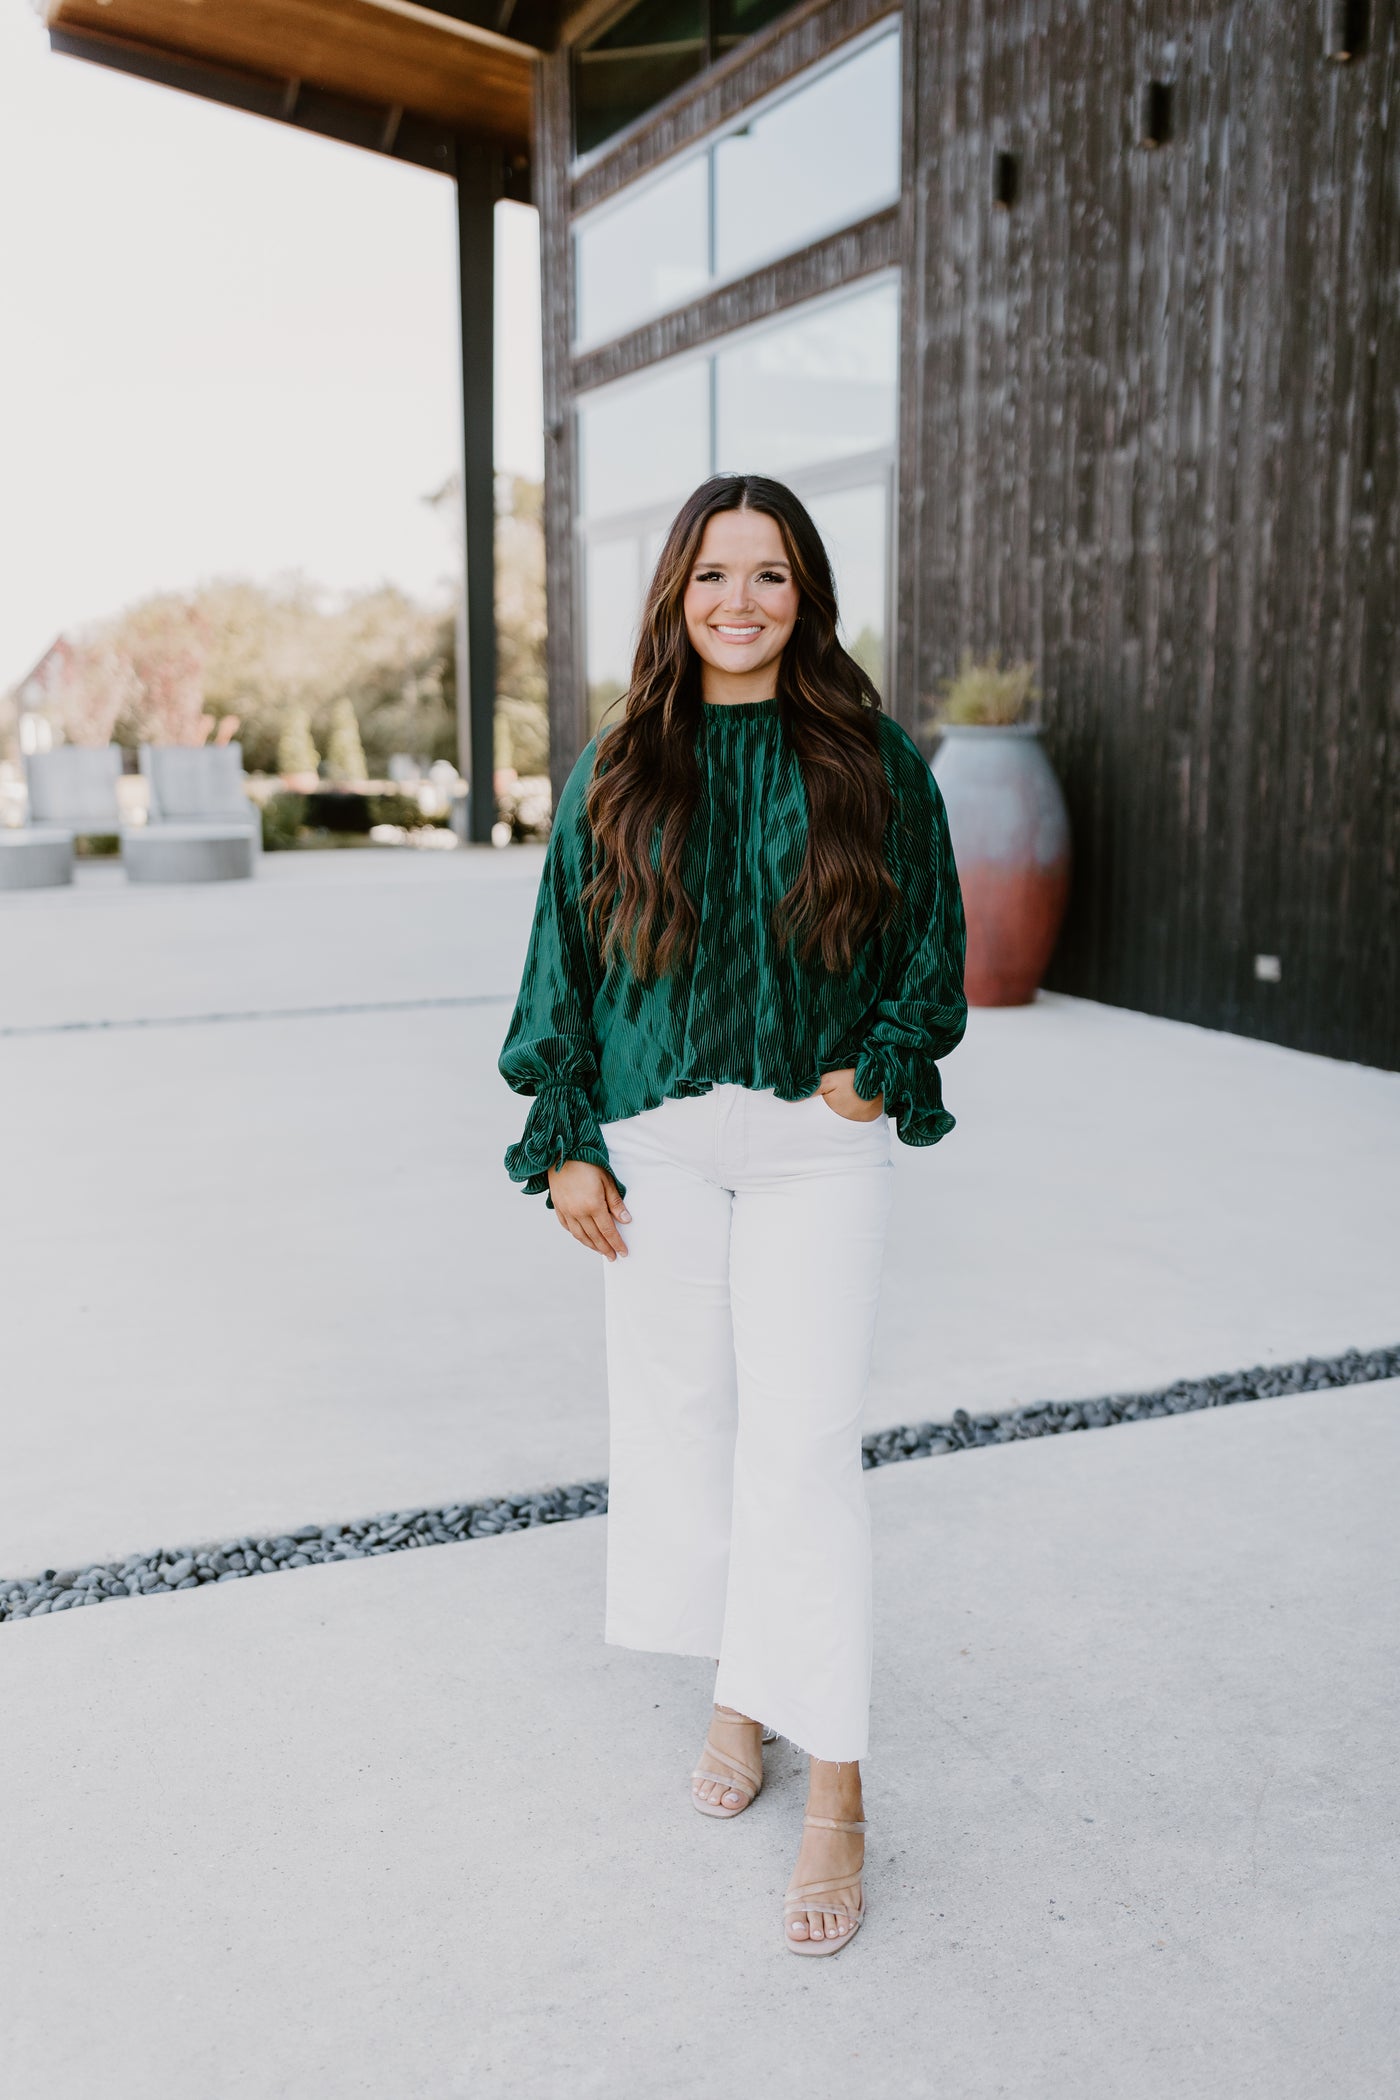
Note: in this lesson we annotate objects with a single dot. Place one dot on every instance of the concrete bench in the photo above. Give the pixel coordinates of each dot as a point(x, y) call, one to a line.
point(35, 857)
point(188, 853)
point(201, 827)
point(72, 790)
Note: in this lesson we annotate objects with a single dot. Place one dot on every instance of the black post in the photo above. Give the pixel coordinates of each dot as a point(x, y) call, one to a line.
point(478, 170)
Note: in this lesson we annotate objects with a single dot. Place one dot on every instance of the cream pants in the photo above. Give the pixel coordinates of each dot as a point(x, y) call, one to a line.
point(739, 1330)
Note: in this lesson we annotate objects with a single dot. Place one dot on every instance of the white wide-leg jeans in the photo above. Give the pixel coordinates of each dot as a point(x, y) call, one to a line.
point(739, 1331)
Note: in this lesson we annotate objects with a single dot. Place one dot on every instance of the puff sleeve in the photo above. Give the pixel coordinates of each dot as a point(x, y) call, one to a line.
point(921, 1011)
point(550, 1050)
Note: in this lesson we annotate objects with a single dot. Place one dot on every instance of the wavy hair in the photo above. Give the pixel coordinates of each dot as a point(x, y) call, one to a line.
point(646, 783)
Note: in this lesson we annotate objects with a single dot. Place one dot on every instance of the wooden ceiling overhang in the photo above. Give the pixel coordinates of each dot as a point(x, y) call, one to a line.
point(391, 75)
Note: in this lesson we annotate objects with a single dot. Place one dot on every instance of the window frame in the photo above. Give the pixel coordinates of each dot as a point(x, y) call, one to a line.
point(889, 25)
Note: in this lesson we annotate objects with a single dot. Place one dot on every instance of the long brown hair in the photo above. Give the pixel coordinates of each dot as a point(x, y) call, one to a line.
point(648, 777)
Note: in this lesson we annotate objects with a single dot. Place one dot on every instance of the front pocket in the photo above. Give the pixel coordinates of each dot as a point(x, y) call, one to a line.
point(851, 1122)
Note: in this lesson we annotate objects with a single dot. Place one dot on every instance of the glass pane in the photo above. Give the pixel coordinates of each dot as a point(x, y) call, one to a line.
point(613, 599)
point(638, 61)
point(854, 523)
point(645, 442)
point(733, 20)
point(639, 256)
point(819, 388)
point(823, 158)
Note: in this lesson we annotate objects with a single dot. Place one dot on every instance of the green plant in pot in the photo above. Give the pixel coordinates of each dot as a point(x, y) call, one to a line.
point(1009, 825)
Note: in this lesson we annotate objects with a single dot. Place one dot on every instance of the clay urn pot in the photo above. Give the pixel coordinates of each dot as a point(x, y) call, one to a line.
point(1010, 833)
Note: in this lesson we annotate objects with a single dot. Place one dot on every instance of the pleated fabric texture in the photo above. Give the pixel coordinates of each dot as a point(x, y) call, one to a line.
point(593, 1046)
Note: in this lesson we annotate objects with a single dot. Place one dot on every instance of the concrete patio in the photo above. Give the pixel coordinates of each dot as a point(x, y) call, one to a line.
point(404, 1827)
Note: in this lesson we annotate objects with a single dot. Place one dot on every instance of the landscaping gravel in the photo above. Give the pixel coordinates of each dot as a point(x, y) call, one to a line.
point(397, 1531)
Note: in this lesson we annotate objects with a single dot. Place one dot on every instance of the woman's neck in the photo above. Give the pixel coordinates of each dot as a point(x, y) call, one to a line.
point(734, 688)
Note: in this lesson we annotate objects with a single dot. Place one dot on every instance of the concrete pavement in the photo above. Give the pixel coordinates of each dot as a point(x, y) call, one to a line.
point(404, 1828)
point(260, 1273)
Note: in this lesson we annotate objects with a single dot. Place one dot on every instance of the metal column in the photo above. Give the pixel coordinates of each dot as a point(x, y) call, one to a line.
point(479, 182)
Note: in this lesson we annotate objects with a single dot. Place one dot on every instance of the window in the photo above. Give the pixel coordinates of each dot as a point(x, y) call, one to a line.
point(650, 252)
point(821, 158)
point(818, 387)
point(810, 399)
point(821, 155)
point(648, 52)
point(645, 442)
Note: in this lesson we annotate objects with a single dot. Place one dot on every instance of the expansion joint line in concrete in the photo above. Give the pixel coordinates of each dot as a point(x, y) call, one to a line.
point(191, 1567)
point(256, 1013)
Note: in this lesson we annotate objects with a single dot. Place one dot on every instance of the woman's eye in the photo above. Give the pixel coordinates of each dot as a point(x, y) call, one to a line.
point(709, 576)
point(772, 576)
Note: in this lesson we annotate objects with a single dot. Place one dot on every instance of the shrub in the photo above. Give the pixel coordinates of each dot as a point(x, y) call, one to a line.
point(338, 809)
point(983, 692)
point(283, 815)
point(398, 809)
point(295, 751)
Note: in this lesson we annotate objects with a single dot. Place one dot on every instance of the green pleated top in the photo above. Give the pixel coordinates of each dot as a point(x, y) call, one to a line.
point(593, 1045)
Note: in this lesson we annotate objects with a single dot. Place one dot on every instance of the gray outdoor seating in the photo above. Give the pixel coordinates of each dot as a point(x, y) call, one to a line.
point(72, 790)
point(201, 826)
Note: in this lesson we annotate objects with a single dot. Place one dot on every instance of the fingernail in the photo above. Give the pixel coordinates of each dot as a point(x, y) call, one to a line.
point(626, 1216)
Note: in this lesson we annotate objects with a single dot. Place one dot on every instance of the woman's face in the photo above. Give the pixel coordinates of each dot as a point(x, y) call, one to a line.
point(741, 603)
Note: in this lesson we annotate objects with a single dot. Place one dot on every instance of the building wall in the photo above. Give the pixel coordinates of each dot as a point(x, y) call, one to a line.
point(1153, 445)
point(1150, 417)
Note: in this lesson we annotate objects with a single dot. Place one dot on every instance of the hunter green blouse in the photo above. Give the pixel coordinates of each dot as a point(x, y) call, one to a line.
point(594, 1045)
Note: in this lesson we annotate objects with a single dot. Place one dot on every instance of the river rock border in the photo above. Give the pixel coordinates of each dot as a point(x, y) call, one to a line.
point(395, 1531)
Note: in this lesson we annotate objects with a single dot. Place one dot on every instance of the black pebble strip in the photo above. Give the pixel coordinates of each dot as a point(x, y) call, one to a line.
point(396, 1531)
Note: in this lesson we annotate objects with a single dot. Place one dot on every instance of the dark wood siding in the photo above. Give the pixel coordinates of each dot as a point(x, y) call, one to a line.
point(1152, 442)
point(1150, 436)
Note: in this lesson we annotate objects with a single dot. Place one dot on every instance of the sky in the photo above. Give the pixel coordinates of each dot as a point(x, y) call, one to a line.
point(226, 348)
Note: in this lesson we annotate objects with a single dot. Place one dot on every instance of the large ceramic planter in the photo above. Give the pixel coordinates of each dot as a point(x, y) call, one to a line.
point(1010, 832)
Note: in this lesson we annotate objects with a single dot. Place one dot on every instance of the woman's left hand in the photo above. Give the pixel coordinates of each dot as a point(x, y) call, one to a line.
point(839, 1089)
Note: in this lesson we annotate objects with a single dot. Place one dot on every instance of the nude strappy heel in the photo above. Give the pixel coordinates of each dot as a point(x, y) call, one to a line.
point(811, 1895)
point(740, 1778)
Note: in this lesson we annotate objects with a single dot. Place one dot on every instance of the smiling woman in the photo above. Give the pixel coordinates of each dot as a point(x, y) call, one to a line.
point(746, 961)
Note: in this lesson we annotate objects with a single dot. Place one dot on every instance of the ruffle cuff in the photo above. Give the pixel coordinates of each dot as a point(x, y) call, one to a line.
point(561, 1125)
point(913, 1091)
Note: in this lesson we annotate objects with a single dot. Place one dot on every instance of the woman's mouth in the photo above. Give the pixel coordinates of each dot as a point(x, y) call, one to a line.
point(735, 633)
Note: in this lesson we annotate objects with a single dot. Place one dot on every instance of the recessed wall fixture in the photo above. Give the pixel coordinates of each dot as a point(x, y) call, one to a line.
point(1348, 26)
point(1155, 114)
point(1005, 181)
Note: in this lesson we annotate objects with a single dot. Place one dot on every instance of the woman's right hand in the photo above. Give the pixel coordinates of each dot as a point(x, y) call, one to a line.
point(588, 1204)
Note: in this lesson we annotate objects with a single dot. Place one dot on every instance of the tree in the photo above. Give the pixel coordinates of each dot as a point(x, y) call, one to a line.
point(297, 756)
point(87, 686)
point(345, 754)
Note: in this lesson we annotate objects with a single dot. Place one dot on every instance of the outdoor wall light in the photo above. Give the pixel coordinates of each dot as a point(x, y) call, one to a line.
point(1155, 114)
point(1268, 969)
point(1348, 24)
point(1005, 181)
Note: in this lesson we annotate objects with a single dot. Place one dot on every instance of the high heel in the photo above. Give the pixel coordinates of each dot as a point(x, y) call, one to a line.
point(810, 1895)
point(741, 1778)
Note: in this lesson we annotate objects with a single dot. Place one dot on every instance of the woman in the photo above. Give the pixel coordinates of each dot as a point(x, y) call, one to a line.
point(746, 957)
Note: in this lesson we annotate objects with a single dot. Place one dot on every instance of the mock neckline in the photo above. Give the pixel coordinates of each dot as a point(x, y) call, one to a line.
point(717, 709)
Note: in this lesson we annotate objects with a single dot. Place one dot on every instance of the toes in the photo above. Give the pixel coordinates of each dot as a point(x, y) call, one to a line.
point(798, 1927)
point(831, 1924)
point(815, 1929)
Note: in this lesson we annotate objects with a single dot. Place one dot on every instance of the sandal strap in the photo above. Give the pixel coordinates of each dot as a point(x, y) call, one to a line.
point(746, 1773)
point(731, 1713)
point(802, 1899)
point(831, 1823)
point(730, 1785)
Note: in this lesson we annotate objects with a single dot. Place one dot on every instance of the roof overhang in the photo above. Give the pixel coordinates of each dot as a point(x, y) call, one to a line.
point(387, 74)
